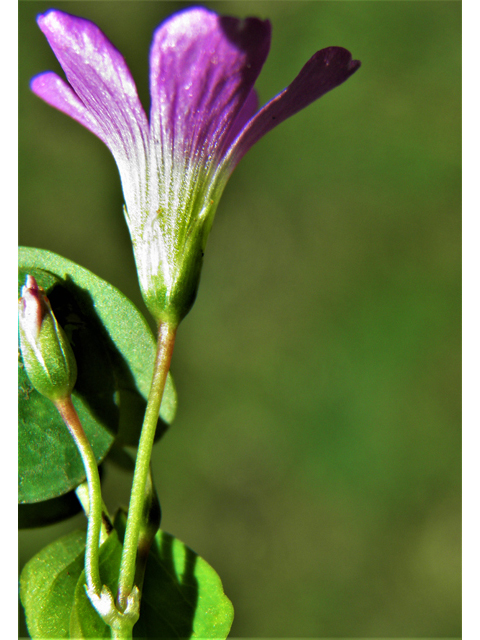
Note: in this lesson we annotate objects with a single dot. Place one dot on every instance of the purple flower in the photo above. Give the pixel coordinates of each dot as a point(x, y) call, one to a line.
point(203, 118)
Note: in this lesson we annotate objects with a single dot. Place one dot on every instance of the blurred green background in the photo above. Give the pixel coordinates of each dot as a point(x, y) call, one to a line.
point(315, 458)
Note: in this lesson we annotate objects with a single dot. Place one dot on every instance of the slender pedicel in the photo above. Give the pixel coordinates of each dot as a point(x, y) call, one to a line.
point(70, 417)
point(165, 344)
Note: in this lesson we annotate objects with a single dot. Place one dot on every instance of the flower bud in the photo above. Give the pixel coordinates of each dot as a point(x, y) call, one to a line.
point(47, 355)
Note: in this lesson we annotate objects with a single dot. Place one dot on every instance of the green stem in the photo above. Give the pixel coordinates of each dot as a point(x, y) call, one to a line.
point(69, 415)
point(165, 343)
point(121, 634)
point(106, 527)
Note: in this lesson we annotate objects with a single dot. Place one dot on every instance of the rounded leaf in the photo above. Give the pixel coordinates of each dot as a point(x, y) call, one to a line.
point(47, 586)
point(114, 349)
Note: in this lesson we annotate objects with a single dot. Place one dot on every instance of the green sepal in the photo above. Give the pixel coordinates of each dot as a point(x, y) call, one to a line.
point(171, 302)
point(169, 283)
point(47, 356)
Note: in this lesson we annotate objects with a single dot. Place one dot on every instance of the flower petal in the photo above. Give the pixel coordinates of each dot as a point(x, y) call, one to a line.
point(100, 77)
point(57, 93)
point(249, 109)
point(324, 71)
point(104, 98)
point(202, 69)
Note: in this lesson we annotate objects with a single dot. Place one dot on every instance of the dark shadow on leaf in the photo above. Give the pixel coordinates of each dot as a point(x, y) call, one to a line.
point(42, 514)
point(169, 599)
point(105, 381)
point(96, 382)
point(47, 512)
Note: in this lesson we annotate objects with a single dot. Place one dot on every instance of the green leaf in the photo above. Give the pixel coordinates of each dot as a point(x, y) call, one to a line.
point(49, 464)
point(182, 596)
point(41, 514)
point(47, 586)
point(115, 351)
point(125, 325)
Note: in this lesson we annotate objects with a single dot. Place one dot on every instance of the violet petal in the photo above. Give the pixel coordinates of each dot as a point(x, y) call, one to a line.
point(249, 109)
point(202, 69)
point(100, 77)
point(325, 70)
point(57, 93)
